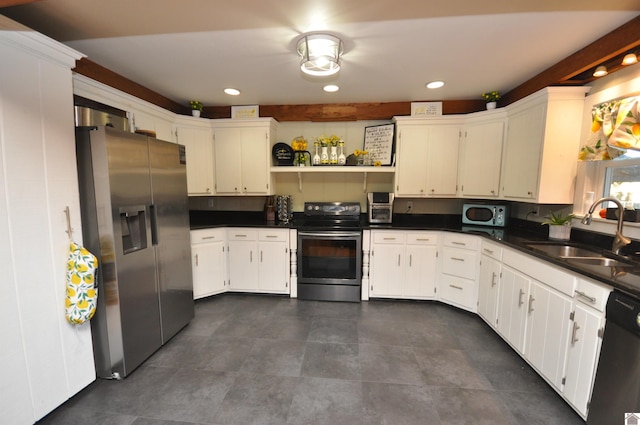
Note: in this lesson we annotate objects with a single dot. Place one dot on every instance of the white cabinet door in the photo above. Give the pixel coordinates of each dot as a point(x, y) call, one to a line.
point(274, 270)
point(584, 347)
point(547, 328)
point(512, 307)
point(228, 157)
point(387, 270)
point(208, 266)
point(525, 136)
point(255, 163)
point(243, 266)
point(442, 160)
point(480, 159)
point(199, 153)
point(411, 170)
point(420, 271)
point(488, 286)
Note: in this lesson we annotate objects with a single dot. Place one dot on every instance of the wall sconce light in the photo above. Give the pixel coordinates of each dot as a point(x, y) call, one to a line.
point(600, 71)
point(320, 54)
point(629, 59)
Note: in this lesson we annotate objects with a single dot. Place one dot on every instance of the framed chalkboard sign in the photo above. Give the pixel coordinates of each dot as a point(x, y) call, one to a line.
point(378, 141)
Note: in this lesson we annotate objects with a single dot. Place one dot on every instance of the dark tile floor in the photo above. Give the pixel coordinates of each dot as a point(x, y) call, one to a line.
point(249, 359)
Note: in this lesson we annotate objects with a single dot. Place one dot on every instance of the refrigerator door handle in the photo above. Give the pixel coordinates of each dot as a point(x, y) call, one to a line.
point(154, 224)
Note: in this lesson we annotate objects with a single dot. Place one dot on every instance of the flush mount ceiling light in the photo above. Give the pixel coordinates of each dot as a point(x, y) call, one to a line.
point(435, 84)
point(600, 71)
point(320, 54)
point(232, 92)
point(629, 59)
point(331, 88)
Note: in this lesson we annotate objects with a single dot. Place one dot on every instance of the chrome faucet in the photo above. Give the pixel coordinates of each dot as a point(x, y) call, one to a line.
point(620, 240)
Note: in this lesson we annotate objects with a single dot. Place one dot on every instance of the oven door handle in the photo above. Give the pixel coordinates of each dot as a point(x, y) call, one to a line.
point(329, 234)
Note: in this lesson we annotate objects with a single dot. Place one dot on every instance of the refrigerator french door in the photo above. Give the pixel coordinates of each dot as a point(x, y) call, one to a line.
point(134, 205)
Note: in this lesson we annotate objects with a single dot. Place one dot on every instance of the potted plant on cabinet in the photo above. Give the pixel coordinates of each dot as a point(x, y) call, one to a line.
point(491, 98)
point(559, 226)
point(196, 107)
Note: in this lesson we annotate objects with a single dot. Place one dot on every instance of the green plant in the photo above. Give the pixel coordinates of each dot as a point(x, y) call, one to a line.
point(491, 96)
point(558, 219)
point(195, 104)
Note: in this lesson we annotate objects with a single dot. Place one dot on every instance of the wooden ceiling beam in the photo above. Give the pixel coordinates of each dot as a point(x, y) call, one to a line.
point(613, 44)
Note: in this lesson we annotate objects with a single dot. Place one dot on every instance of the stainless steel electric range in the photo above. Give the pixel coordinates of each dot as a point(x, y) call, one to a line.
point(330, 252)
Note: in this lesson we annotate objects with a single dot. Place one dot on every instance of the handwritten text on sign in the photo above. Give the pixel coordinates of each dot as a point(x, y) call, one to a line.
point(378, 141)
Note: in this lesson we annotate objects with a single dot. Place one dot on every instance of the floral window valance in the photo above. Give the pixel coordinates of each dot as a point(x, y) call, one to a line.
point(615, 127)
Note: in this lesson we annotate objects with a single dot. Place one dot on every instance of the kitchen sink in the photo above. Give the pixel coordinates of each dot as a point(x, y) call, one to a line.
point(599, 261)
point(562, 250)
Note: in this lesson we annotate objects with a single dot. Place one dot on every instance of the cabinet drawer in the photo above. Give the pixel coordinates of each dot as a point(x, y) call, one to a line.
point(422, 238)
point(461, 241)
point(492, 250)
point(273, 235)
point(459, 262)
point(388, 237)
point(207, 235)
point(593, 294)
point(242, 234)
point(458, 291)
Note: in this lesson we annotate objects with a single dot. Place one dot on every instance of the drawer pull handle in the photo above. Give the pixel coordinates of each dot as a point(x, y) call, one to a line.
point(196, 260)
point(388, 239)
point(423, 239)
point(459, 243)
point(493, 279)
point(209, 237)
point(398, 260)
point(272, 236)
point(488, 251)
point(456, 287)
point(240, 236)
point(457, 259)
point(410, 260)
point(592, 300)
point(531, 300)
point(520, 302)
point(574, 338)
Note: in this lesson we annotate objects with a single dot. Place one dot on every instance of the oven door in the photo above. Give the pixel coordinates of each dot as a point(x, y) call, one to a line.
point(329, 265)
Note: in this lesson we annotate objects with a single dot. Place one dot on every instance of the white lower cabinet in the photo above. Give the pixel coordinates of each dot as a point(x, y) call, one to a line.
point(403, 264)
point(512, 309)
point(546, 334)
point(208, 262)
point(459, 275)
point(585, 339)
point(258, 260)
point(488, 282)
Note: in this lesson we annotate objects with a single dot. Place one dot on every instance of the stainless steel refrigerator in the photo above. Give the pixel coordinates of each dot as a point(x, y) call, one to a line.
point(135, 219)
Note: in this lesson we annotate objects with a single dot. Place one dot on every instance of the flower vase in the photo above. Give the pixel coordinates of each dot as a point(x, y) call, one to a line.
point(195, 113)
point(560, 232)
point(333, 157)
point(342, 159)
point(492, 105)
point(324, 156)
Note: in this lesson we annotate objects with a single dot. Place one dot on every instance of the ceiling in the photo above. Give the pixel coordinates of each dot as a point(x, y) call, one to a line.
point(194, 49)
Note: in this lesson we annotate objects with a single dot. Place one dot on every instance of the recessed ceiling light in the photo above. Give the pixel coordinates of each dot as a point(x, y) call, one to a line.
point(435, 84)
point(232, 92)
point(330, 88)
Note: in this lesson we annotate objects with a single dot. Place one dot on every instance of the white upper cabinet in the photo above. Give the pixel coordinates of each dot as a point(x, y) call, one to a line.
point(198, 140)
point(242, 151)
point(481, 155)
point(427, 157)
point(543, 138)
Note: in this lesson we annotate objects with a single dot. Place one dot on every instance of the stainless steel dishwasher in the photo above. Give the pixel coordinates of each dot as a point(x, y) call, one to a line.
point(616, 390)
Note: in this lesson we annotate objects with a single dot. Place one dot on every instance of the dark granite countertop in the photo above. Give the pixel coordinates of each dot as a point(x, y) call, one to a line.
point(517, 235)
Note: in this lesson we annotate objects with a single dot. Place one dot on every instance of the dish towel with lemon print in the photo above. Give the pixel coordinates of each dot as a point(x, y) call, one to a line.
point(82, 292)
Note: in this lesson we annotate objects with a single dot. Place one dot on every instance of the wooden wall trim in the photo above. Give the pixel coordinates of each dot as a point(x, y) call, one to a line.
point(99, 73)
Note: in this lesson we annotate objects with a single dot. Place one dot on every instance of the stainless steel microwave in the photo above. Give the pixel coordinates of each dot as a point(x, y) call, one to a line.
point(485, 215)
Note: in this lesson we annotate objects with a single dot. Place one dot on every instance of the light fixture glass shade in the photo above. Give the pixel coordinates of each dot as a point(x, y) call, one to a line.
point(600, 71)
point(629, 59)
point(320, 54)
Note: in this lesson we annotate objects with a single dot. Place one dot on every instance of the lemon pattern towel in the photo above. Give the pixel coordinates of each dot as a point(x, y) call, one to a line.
point(82, 292)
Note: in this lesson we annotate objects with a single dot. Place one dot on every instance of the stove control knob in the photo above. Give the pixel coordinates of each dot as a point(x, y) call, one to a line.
point(317, 208)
